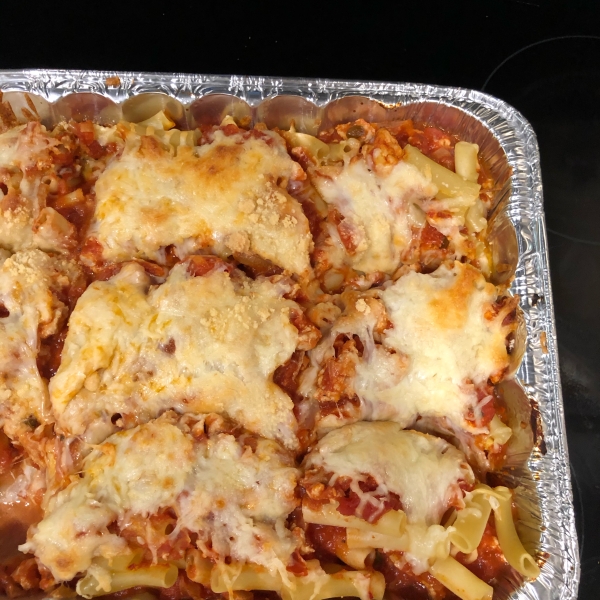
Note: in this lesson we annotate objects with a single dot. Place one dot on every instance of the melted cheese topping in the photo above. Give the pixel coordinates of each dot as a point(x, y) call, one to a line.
point(440, 325)
point(377, 206)
point(237, 500)
point(223, 195)
point(29, 284)
point(24, 146)
point(25, 220)
point(240, 500)
point(422, 469)
point(440, 348)
point(195, 344)
point(360, 317)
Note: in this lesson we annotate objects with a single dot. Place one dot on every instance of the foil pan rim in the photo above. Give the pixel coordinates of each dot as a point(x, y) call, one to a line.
point(539, 372)
point(269, 85)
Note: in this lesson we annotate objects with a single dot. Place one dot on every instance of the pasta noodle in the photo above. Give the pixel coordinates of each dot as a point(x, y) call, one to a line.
point(320, 151)
point(343, 150)
point(467, 530)
point(391, 523)
point(365, 585)
point(475, 218)
point(171, 138)
point(225, 578)
point(198, 568)
point(162, 576)
point(355, 538)
point(314, 146)
point(465, 160)
point(460, 580)
point(499, 432)
point(317, 585)
point(354, 557)
point(449, 183)
point(158, 121)
point(500, 500)
point(120, 562)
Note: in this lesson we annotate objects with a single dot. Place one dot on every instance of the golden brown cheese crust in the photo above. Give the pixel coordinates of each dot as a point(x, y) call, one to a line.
point(227, 196)
point(196, 344)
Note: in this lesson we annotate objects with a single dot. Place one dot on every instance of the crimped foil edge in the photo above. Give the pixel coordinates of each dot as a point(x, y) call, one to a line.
point(539, 374)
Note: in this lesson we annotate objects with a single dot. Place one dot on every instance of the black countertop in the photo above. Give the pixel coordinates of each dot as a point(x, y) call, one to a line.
point(543, 57)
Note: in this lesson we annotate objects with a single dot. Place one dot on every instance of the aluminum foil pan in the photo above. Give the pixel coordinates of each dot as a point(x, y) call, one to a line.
point(538, 465)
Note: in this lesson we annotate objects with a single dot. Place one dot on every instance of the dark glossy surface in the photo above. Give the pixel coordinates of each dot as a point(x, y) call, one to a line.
point(454, 43)
point(493, 44)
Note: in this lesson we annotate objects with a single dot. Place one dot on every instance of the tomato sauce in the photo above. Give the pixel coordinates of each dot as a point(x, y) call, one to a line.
point(15, 519)
point(287, 376)
point(403, 584)
point(49, 356)
point(325, 540)
point(199, 265)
